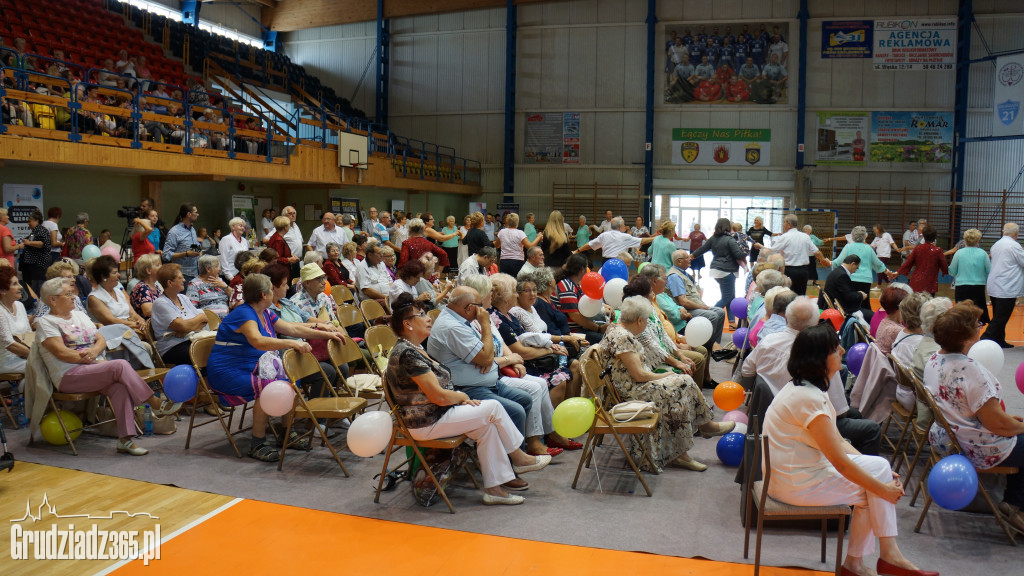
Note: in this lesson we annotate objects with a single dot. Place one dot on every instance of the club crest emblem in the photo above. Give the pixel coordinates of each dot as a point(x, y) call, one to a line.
point(753, 153)
point(689, 150)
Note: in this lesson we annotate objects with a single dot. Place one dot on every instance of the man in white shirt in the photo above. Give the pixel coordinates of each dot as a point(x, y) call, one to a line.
point(478, 263)
point(607, 224)
point(534, 260)
point(796, 248)
point(920, 230)
point(328, 231)
point(1005, 282)
point(911, 236)
point(268, 222)
point(489, 226)
point(770, 358)
point(294, 236)
point(372, 278)
point(615, 241)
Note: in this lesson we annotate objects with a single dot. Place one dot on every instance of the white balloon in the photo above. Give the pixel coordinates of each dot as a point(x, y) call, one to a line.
point(370, 433)
point(740, 428)
point(613, 292)
point(988, 354)
point(277, 398)
point(589, 307)
point(698, 331)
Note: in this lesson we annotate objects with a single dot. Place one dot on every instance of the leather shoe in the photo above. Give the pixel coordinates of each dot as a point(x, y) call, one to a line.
point(518, 484)
point(1013, 515)
point(510, 500)
point(1006, 345)
point(721, 355)
point(884, 567)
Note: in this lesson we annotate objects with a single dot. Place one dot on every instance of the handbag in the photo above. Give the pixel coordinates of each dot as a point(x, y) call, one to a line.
point(632, 410)
point(543, 365)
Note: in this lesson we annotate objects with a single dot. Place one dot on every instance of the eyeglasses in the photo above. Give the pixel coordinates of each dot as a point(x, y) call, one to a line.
point(418, 315)
point(528, 291)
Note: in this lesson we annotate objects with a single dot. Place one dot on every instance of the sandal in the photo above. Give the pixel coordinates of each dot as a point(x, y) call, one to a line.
point(569, 444)
point(264, 452)
point(721, 428)
point(297, 442)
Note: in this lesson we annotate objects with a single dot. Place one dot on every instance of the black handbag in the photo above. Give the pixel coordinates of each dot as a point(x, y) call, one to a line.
point(543, 365)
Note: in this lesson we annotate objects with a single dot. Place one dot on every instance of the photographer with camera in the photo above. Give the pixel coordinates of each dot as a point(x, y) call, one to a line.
point(182, 246)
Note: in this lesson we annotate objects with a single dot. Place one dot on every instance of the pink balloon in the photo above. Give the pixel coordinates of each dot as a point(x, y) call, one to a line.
point(752, 334)
point(113, 252)
point(735, 416)
point(1019, 377)
point(876, 320)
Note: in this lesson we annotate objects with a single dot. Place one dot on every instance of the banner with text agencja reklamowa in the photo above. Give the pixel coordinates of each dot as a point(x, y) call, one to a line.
point(1009, 95)
point(915, 44)
point(721, 146)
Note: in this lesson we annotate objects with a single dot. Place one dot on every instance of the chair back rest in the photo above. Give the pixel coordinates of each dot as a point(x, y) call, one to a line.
point(342, 294)
point(433, 314)
point(300, 365)
point(349, 315)
point(200, 350)
point(761, 446)
point(372, 310)
point(399, 420)
point(828, 299)
point(212, 320)
point(593, 365)
point(147, 333)
point(862, 334)
point(344, 352)
point(380, 336)
point(940, 418)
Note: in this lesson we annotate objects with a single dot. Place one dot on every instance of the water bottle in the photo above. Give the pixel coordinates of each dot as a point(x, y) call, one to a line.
point(562, 361)
point(19, 412)
point(147, 422)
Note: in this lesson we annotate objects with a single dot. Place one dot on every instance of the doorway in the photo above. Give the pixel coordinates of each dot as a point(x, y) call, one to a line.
point(704, 209)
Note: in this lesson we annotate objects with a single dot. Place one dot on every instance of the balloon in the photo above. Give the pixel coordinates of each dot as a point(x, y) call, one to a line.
point(752, 334)
point(855, 357)
point(613, 292)
point(277, 398)
point(112, 251)
point(740, 428)
point(876, 320)
point(370, 434)
point(589, 307)
point(1019, 377)
point(735, 416)
point(180, 383)
point(833, 316)
point(730, 449)
point(53, 433)
point(953, 482)
point(640, 268)
point(988, 354)
point(91, 251)
point(738, 306)
point(739, 338)
point(698, 331)
point(614, 268)
point(573, 417)
point(593, 285)
point(729, 396)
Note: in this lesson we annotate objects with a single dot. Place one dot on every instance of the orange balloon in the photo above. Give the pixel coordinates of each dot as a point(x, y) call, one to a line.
point(833, 316)
point(729, 396)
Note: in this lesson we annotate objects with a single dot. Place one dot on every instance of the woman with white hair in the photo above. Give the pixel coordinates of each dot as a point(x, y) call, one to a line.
point(231, 245)
point(147, 289)
point(682, 408)
point(970, 268)
point(207, 291)
point(869, 261)
point(513, 244)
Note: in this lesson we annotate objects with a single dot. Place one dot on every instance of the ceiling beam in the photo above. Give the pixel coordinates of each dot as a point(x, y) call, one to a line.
point(267, 3)
point(302, 14)
point(183, 178)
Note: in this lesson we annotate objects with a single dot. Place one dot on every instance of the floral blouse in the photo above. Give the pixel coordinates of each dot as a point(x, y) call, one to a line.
point(141, 294)
point(407, 361)
point(206, 296)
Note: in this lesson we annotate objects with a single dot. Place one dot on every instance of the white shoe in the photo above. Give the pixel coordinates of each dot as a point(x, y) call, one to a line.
point(166, 409)
point(541, 462)
point(129, 447)
point(510, 500)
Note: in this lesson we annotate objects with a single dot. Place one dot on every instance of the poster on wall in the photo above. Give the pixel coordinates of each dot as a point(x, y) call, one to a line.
point(846, 38)
point(721, 147)
point(727, 62)
point(843, 138)
point(20, 200)
point(508, 208)
point(925, 137)
point(915, 44)
point(244, 207)
point(480, 207)
point(1009, 94)
point(553, 138)
point(348, 206)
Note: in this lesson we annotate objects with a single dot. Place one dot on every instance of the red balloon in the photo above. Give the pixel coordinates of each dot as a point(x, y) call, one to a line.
point(593, 285)
point(833, 316)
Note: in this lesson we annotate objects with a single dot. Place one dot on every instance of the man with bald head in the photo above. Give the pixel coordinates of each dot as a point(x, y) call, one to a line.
point(327, 232)
point(534, 260)
point(470, 354)
point(1005, 282)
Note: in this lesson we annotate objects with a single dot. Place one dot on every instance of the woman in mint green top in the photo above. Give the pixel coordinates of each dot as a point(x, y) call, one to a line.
point(450, 228)
point(970, 268)
point(582, 233)
point(529, 228)
point(662, 248)
point(869, 261)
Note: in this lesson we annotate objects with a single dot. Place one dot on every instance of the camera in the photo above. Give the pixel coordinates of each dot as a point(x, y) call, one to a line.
point(195, 248)
point(129, 213)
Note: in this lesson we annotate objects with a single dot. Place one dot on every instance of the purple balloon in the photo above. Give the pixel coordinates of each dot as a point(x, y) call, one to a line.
point(739, 306)
point(855, 357)
point(739, 338)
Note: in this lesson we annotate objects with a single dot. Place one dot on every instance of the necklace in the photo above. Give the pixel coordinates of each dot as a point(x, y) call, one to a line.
point(410, 343)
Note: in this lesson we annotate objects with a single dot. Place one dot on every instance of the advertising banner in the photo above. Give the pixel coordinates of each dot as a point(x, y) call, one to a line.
point(1009, 94)
point(348, 206)
point(843, 138)
point(553, 138)
point(846, 38)
point(721, 146)
point(20, 200)
point(915, 44)
point(925, 137)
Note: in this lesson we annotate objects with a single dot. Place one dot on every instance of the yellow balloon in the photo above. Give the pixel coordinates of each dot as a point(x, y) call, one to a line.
point(52, 432)
point(573, 417)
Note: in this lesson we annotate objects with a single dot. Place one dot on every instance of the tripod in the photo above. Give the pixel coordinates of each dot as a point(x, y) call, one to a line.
point(126, 251)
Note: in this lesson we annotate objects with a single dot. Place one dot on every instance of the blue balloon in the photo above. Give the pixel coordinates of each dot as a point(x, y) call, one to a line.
point(953, 482)
point(614, 268)
point(180, 383)
point(730, 449)
point(855, 357)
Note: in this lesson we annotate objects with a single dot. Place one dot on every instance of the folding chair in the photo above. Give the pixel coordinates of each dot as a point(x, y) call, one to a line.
point(899, 415)
point(349, 315)
point(58, 396)
point(862, 334)
point(1010, 530)
point(342, 295)
point(372, 311)
point(212, 320)
point(11, 378)
point(604, 395)
point(159, 370)
point(828, 300)
point(333, 407)
point(433, 314)
point(366, 385)
point(199, 352)
point(400, 437)
point(769, 508)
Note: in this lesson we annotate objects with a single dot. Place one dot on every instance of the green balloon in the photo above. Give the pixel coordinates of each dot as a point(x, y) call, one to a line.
point(573, 417)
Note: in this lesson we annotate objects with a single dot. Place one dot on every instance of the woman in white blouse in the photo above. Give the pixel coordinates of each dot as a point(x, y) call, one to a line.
point(230, 246)
point(524, 311)
point(348, 260)
point(108, 304)
point(13, 321)
point(406, 279)
point(174, 317)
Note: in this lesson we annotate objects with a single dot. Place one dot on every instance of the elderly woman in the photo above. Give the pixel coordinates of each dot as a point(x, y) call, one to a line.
point(428, 231)
point(387, 255)
point(869, 261)
point(207, 291)
point(147, 289)
point(72, 350)
point(348, 255)
point(546, 307)
point(337, 272)
point(927, 261)
point(529, 304)
point(66, 268)
point(775, 303)
point(142, 234)
point(253, 266)
point(230, 245)
point(909, 338)
point(764, 281)
point(883, 246)
point(417, 245)
point(35, 257)
point(816, 467)
point(463, 249)
point(432, 408)
point(969, 396)
point(240, 366)
point(175, 316)
point(970, 268)
point(276, 241)
point(514, 243)
point(408, 278)
point(451, 245)
point(268, 255)
point(662, 248)
point(726, 262)
point(697, 239)
point(107, 303)
point(681, 406)
point(13, 322)
point(424, 285)
point(542, 357)
point(891, 325)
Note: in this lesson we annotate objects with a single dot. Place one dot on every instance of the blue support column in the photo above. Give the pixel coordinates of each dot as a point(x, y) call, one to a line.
point(965, 17)
point(509, 162)
point(801, 92)
point(383, 64)
point(652, 21)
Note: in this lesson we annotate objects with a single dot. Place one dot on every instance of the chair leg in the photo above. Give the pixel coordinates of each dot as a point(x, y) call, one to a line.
point(746, 527)
point(56, 411)
point(757, 544)
point(430, 473)
point(924, 479)
point(632, 464)
point(323, 436)
point(587, 448)
point(384, 470)
point(924, 511)
point(7, 409)
point(839, 544)
point(999, 518)
point(824, 527)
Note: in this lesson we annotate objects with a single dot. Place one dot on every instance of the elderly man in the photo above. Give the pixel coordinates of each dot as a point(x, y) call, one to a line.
point(182, 246)
point(294, 236)
point(534, 260)
point(775, 302)
point(489, 227)
point(327, 232)
point(796, 247)
point(470, 355)
point(841, 290)
point(372, 278)
point(769, 361)
point(686, 293)
point(607, 224)
point(478, 263)
point(615, 241)
point(1005, 282)
point(386, 230)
